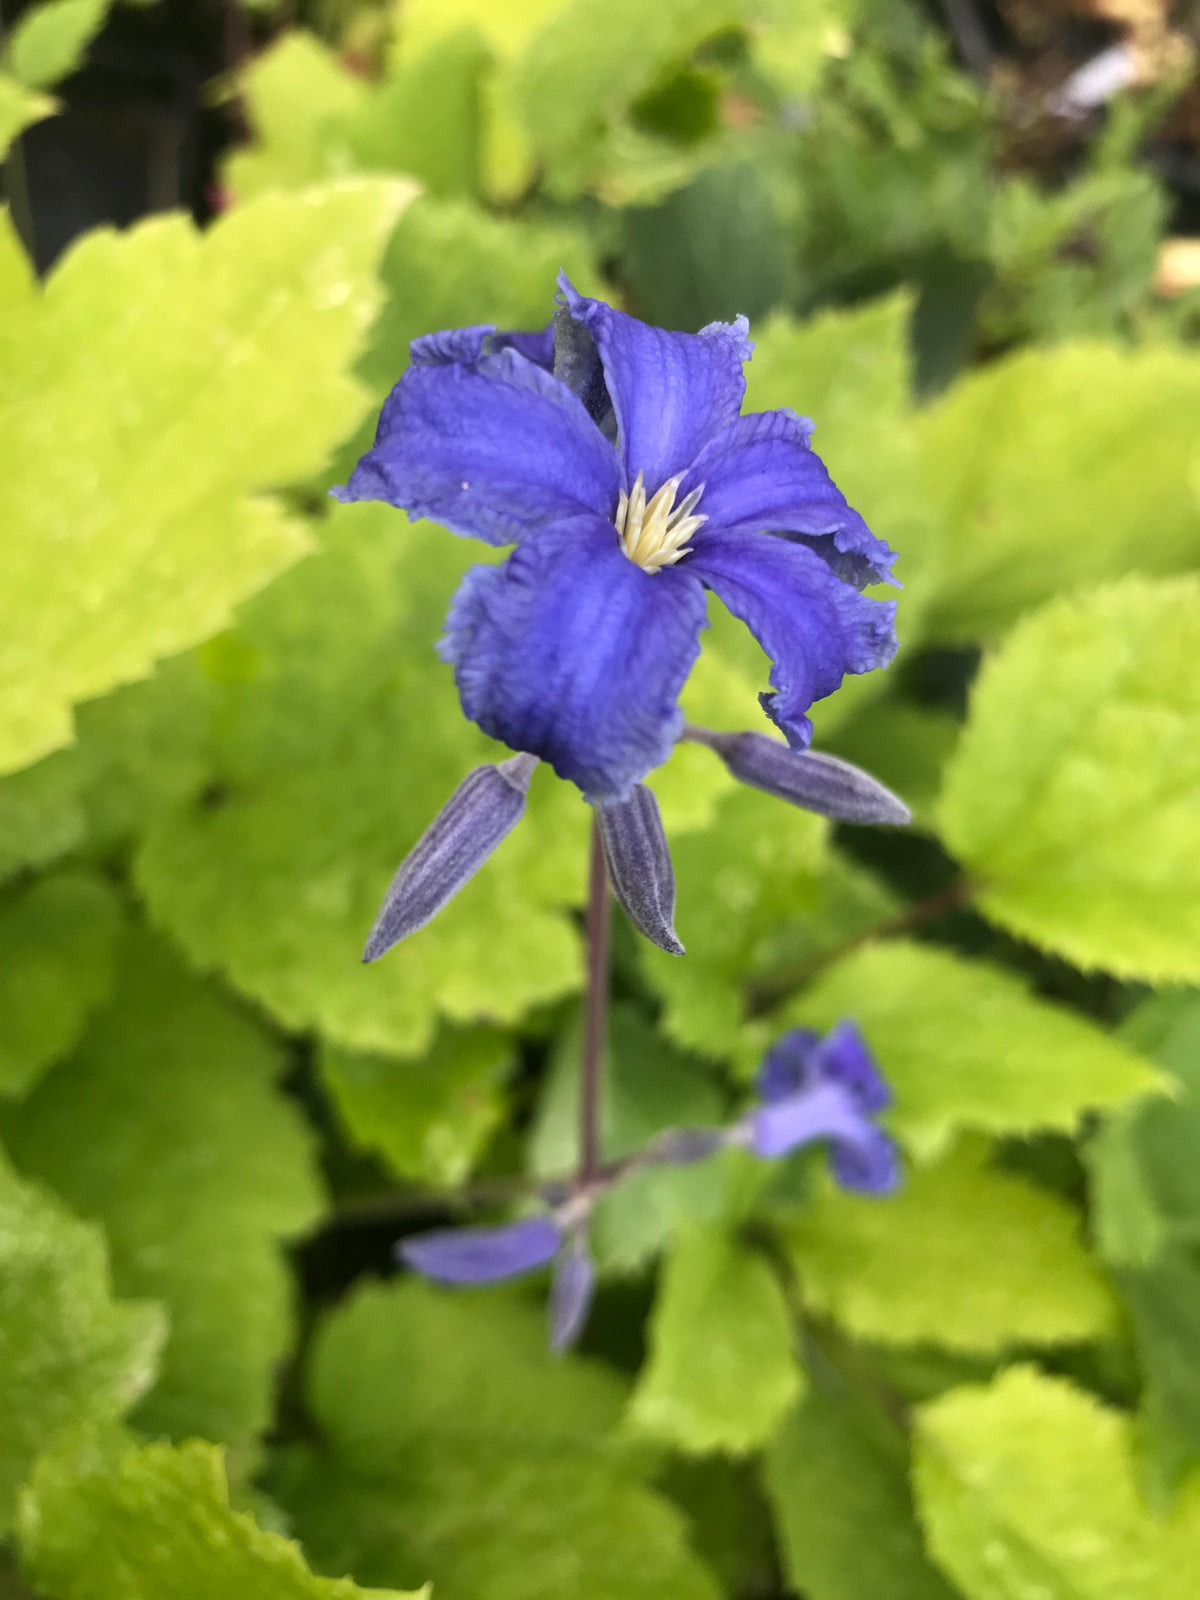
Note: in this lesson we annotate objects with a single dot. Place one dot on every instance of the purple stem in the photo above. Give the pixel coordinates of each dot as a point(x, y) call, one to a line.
point(599, 922)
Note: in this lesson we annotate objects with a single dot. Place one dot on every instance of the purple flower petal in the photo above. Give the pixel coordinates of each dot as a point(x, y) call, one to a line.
point(843, 1057)
point(814, 627)
point(482, 1255)
point(788, 1065)
point(639, 865)
point(477, 818)
point(870, 1163)
point(450, 345)
point(761, 476)
point(571, 651)
point(492, 450)
point(672, 392)
point(824, 1112)
point(571, 1292)
point(536, 347)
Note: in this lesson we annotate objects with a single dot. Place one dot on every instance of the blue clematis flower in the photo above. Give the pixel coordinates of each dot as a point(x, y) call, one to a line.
point(825, 1088)
point(616, 459)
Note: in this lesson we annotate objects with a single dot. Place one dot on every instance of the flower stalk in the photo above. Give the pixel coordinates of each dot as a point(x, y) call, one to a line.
point(595, 1017)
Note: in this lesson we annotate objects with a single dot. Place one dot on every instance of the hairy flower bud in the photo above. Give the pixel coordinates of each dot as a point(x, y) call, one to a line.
point(478, 816)
point(639, 865)
point(809, 778)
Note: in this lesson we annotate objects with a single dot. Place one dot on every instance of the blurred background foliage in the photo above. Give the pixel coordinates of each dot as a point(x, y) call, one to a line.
point(969, 238)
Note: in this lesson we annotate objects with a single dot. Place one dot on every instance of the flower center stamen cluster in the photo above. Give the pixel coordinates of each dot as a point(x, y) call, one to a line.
point(654, 533)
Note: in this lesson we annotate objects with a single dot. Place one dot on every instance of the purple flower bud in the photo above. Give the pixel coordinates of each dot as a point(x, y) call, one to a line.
point(482, 1255)
point(571, 1292)
point(821, 783)
point(639, 865)
point(478, 816)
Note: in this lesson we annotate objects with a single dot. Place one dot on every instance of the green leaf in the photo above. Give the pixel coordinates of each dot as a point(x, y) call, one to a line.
point(69, 1352)
point(50, 39)
point(41, 816)
point(56, 966)
point(168, 1128)
point(1164, 1301)
point(154, 1522)
point(425, 119)
point(1056, 468)
point(964, 1256)
point(449, 265)
point(1074, 794)
point(850, 371)
point(709, 252)
point(215, 370)
point(1143, 1163)
point(460, 1448)
point(905, 746)
point(19, 108)
point(314, 119)
point(401, 1364)
point(430, 1117)
point(758, 865)
point(1027, 1487)
point(647, 1086)
point(721, 1369)
point(297, 95)
point(964, 1045)
point(837, 1476)
point(579, 74)
point(335, 750)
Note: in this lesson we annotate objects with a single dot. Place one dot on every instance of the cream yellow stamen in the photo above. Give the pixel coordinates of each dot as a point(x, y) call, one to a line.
point(654, 533)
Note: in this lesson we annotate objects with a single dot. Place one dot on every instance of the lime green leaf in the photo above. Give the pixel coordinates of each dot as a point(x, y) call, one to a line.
point(1027, 1487)
point(757, 866)
point(460, 1449)
point(506, 28)
point(69, 1352)
point(1037, 485)
point(647, 1086)
point(425, 119)
point(297, 94)
point(837, 1475)
point(1074, 794)
point(105, 1523)
point(19, 107)
point(56, 966)
point(50, 39)
point(215, 371)
point(168, 1128)
point(964, 1045)
point(336, 750)
point(963, 1255)
point(721, 1370)
point(316, 120)
point(431, 1116)
point(1144, 1171)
